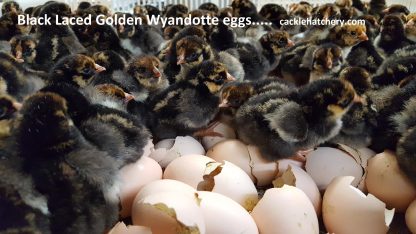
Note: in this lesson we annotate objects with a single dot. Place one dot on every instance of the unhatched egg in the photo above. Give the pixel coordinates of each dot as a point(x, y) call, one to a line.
point(164, 185)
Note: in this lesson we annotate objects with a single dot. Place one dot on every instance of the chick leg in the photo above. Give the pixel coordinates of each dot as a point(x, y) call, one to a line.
point(208, 131)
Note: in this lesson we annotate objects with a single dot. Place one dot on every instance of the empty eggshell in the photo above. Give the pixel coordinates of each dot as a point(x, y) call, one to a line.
point(148, 149)
point(169, 149)
point(169, 213)
point(347, 210)
point(224, 215)
point(388, 183)
point(285, 210)
point(298, 178)
point(325, 163)
point(165, 185)
point(121, 228)
point(263, 170)
point(228, 133)
point(134, 176)
point(411, 217)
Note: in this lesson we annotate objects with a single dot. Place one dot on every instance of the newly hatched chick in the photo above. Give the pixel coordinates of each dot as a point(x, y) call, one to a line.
point(223, 37)
point(274, 13)
point(189, 105)
point(393, 70)
point(287, 123)
point(396, 9)
point(142, 77)
point(77, 70)
point(302, 9)
point(209, 6)
point(113, 62)
point(346, 36)
point(406, 127)
point(152, 10)
point(245, 8)
point(10, 6)
point(23, 48)
point(376, 7)
point(9, 26)
point(79, 181)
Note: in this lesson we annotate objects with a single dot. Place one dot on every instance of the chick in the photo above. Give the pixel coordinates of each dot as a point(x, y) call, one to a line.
point(393, 70)
point(376, 7)
point(170, 31)
point(100, 10)
point(152, 10)
point(79, 181)
point(9, 26)
point(10, 6)
point(148, 38)
point(302, 9)
point(245, 8)
point(83, 6)
point(189, 105)
point(77, 70)
point(396, 8)
point(112, 62)
point(347, 36)
point(139, 10)
point(392, 36)
point(108, 95)
point(287, 123)
point(23, 48)
point(178, 10)
point(274, 13)
point(209, 6)
point(405, 126)
point(358, 77)
point(142, 77)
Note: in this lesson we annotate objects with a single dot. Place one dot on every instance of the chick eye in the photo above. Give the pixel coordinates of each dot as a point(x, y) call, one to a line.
point(344, 102)
point(193, 56)
point(353, 33)
point(2, 112)
point(86, 70)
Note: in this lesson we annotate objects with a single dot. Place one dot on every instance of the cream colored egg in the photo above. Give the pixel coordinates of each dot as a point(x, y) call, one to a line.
point(388, 183)
point(224, 215)
point(347, 210)
point(298, 178)
point(169, 149)
point(411, 217)
point(285, 210)
point(134, 176)
point(164, 185)
point(169, 213)
point(188, 169)
point(325, 163)
point(121, 228)
point(228, 133)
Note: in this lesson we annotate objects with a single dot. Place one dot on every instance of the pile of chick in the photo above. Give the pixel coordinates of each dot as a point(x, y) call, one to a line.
point(79, 102)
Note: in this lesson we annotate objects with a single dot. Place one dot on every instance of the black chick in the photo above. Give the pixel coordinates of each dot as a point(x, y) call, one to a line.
point(376, 7)
point(79, 181)
point(394, 70)
point(23, 48)
point(9, 26)
point(112, 62)
point(142, 77)
point(283, 124)
point(223, 37)
point(358, 77)
point(178, 10)
point(410, 27)
point(392, 36)
point(83, 5)
point(274, 13)
point(209, 6)
point(78, 70)
point(189, 105)
point(10, 6)
point(396, 9)
point(245, 8)
point(152, 10)
point(406, 127)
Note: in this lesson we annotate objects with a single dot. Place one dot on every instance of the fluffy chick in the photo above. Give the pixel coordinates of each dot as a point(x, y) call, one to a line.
point(113, 62)
point(10, 6)
point(79, 181)
point(23, 48)
point(393, 70)
point(9, 26)
point(189, 105)
point(358, 77)
point(283, 124)
point(274, 13)
point(209, 6)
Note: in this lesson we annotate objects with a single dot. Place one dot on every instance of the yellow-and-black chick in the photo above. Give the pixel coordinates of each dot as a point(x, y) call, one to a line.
point(301, 10)
point(56, 40)
point(392, 36)
point(77, 69)
point(109, 95)
point(142, 77)
point(191, 104)
point(10, 6)
point(112, 62)
point(23, 48)
point(283, 124)
point(274, 13)
point(79, 181)
point(406, 127)
point(9, 26)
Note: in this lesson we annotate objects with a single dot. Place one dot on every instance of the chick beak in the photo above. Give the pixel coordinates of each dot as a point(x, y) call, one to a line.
point(224, 104)
point(128, 97)
point(181, 59)
point(358, 99)
point(410, 23)
point(156, 73)
point(385, 11)
point(13, 9)
point(99, 68)
point(230, 77)
point(17, 105)
point(290, 43)
point(363, 37)
point(329, 64)
point(121, 28)
point(19, 57)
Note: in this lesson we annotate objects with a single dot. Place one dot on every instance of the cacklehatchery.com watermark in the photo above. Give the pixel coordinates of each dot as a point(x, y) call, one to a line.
point(321, 22)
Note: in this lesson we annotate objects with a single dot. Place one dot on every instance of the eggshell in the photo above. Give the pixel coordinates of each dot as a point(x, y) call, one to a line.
point(298, 178)
point(228, 133)
point(263, 170)
point(346, 209)
point(165, 185)
point(134, 176)
point(224, 215)
point(411, 217)
point(285, 210)
point(121, 228)
point(148, 149)
point(169, 213)
point(169, 149)
point(203, 173)
point(325, 163)
point(388, 183)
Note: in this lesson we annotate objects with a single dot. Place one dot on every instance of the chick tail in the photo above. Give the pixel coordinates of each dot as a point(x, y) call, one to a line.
point(406, 153)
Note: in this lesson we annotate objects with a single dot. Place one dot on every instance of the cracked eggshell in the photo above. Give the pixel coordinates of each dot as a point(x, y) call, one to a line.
point(228, 133)
point(285, 210)
point(164, 185)
point(134, 176)
point(229, 180)
point(388, 183)
point(297, 177)
point(169, 213)
point(346, 209)
point(263, 170)
point(169, 149)
point(148, 148)
point(188, 169)
point(325, 163)
point(121, 228)
point(411, 217)
point(224, 215)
